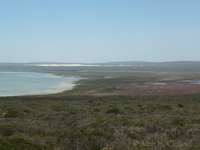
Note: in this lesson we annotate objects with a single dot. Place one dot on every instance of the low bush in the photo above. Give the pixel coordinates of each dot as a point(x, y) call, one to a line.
point(164, 107)
point(180, 105)
point(195, 121)
point(6, 130)
point(178, 121)
point(97, 110)
point(12, 114)
point(113, 110)
point(97, 122)
point(18, 143)
point(138, 124)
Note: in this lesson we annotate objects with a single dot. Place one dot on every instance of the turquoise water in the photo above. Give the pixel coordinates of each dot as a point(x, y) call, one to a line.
point(26, 83)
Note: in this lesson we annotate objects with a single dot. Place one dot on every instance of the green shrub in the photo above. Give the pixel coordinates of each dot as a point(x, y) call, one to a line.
point(164, 107)
point(195, 121)
point(6, 130)
point(75, 135)
point(113, 110)
point(18, 143)
point(129, 108)
point(72, 110)
point(90, 101)
point(125, 121)
point(178, 121)
point(12, 114)
point(97, 122)
point(57, 108)
point(183, 127)
point(180, 105)
point(36, 130)
point(138, 124)
point(27, 111)
point(140, 105)
point(97, 110)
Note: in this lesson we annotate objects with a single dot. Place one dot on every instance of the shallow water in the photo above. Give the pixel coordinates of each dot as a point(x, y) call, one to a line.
point(190, 81)
point(28, 83)
point(159, 83)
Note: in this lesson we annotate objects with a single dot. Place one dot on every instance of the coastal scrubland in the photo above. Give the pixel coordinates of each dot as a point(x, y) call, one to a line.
point(81, 122)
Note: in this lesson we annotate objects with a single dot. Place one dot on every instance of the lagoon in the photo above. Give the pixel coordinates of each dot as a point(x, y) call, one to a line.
point(31, 83)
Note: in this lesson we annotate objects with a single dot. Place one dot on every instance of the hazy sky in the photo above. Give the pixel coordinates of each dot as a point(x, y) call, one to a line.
point(99, 30)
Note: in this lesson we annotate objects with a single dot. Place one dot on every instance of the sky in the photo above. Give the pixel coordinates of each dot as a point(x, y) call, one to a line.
point(90, 31)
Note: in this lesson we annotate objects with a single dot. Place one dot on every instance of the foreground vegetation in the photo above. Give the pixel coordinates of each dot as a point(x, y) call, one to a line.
point(96, 123)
